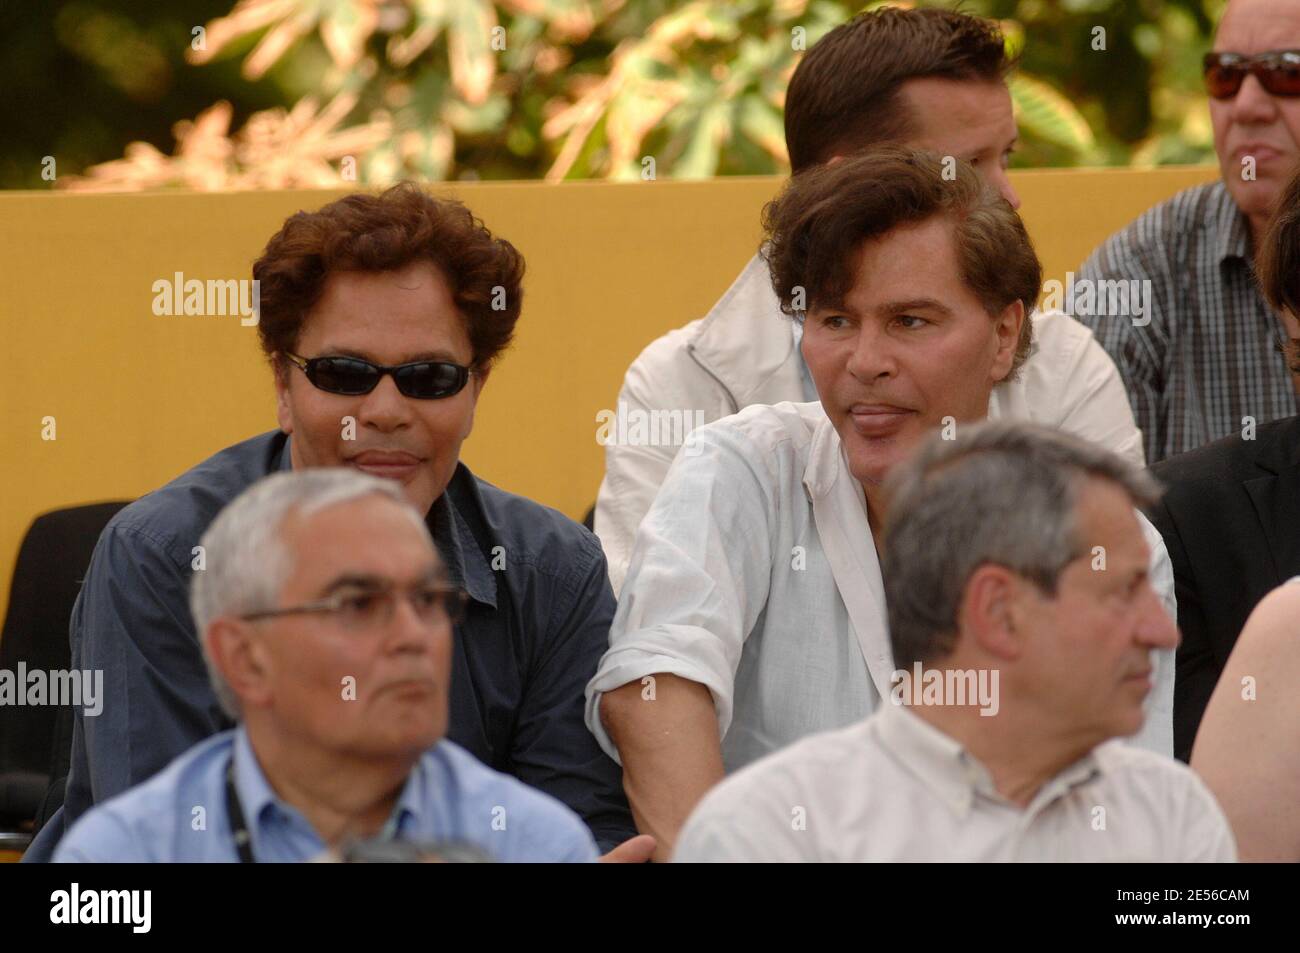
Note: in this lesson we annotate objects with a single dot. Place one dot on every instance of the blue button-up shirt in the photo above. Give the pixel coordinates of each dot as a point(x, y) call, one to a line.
point(535, 627)
point(180, 815)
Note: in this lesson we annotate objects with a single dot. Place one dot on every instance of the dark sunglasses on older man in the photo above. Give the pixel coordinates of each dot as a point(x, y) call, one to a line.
point(1277, 71)
point(353, 376)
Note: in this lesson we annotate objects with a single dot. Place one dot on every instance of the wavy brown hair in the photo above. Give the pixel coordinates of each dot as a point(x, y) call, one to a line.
point(816, 225)
point(387, 232)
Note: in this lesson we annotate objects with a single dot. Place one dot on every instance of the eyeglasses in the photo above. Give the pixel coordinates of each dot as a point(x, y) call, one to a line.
point(359, 609)
point(1277, 71)
point(353, 376)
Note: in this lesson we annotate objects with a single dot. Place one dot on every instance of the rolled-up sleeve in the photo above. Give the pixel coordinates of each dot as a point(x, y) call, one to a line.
point(698, 577)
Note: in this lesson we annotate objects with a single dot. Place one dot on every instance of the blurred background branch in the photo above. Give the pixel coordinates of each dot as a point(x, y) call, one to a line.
point(283, 93)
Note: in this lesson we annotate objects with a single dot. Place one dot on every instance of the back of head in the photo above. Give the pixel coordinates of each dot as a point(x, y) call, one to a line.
point(1003, 493)
point(844, 95)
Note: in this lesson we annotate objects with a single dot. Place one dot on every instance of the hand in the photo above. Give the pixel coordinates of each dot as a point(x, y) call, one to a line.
point(634, 850)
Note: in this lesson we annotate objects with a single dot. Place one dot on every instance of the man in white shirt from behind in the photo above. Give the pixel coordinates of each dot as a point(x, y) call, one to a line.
point(753, 612)
point(1023, 623)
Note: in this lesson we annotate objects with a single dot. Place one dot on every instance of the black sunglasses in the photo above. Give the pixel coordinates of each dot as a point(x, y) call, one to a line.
point(1277, 71)
point(352, 376)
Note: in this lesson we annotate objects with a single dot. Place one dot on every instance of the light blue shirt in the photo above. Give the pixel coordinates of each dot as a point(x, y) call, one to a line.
point(180, 814)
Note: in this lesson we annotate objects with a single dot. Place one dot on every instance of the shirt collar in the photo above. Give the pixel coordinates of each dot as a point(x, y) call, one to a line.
point(408, 812)
point(448, 523)
point(1231, 228)
point(938, 761)
point(255, 793)
point(826, 459)
point(742, 341)
point(954, 774)
point(256, 797)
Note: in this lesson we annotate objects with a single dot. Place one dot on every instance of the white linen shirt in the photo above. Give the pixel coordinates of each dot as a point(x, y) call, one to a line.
point(755, 574)
point(742, 352)
point(895, 788)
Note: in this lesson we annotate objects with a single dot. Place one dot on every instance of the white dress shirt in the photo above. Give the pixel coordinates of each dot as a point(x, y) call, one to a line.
point(755, 574)
point(742, 352)
point(895, 788)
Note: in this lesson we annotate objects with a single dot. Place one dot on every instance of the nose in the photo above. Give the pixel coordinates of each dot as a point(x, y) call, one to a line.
point(407, 632)
point(1003, 184)
point(872, 357)
point(384, 408)
point(1253, 103)
point(1155, 628)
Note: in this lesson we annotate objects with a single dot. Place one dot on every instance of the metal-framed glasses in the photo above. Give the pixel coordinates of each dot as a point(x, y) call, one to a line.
point(366, 608)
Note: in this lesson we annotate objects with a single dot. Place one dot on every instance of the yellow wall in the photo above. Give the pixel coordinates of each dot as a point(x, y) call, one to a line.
point(138, 398)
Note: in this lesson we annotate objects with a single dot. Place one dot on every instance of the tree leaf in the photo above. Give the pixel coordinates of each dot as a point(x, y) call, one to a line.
point(1047, 114)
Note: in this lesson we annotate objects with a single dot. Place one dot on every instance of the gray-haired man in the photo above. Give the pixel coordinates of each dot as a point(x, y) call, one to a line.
point(1022, 623)
point(325, 616)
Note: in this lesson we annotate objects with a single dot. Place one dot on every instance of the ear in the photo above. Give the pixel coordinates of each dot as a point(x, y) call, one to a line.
point(240, 656)
point(989, 612)
point(283, 409)
point(1007, 328)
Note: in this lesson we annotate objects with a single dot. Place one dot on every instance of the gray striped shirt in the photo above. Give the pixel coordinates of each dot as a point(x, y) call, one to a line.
point(1197, 345)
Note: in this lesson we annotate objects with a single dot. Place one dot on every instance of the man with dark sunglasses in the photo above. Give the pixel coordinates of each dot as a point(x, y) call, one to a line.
point(381, 317)
point(1206, 361)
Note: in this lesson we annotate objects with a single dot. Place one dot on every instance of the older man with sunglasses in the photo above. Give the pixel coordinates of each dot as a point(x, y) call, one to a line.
point(325, 617)
point(381, 317)
point(1202, 361)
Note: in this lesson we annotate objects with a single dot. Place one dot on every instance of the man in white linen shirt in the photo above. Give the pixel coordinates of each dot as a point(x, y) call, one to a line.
point(932, 79)
point(1023, 621)
point(754, 612)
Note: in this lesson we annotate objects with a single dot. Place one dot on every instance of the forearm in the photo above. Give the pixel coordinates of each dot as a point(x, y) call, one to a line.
point(666, 731)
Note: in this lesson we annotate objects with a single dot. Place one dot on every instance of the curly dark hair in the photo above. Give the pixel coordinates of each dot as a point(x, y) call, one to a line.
point(823, 216)
point(387, 232)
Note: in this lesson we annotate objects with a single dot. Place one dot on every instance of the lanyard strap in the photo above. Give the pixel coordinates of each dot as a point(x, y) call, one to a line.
point(235, 812)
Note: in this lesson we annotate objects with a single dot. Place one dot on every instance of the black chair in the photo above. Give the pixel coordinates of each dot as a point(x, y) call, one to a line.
point(36, 740)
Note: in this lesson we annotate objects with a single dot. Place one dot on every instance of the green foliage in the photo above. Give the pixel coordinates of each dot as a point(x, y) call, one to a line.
point(541, 88)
